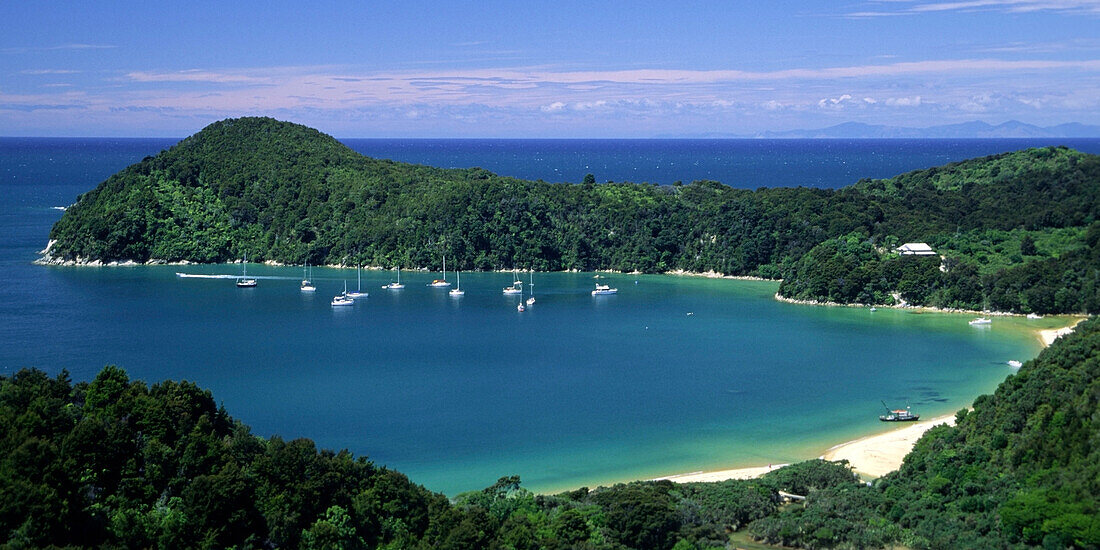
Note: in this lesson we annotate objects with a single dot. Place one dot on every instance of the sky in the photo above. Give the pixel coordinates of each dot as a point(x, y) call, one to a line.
point(518, 69)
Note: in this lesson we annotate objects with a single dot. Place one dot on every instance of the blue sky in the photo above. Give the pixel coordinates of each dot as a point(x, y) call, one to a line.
point(546, 69)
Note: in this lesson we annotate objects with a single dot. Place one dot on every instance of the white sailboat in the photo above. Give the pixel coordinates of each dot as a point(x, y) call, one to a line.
point(395, 285)
point(531, 285)
point(457, 292)
point(441, 283)
point(358, 293)
point(342, 299)
point(307, 286)
point(516, 288)
point(243, 281)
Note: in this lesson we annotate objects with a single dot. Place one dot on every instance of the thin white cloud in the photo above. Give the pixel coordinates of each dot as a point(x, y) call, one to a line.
point(83, 47)
point(47, 71)
point(913, 101)
point(25, 49)
point(195, 75)
point(892, 8)
point(835, 102)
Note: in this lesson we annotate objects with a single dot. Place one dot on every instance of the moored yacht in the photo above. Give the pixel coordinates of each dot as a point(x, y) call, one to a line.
point(358, 292)
point(457, 292)
point(395, 285)
point(441, 283)
point(307, 286)
point(531, 287)
point(603, 290)
point(517, 286)
point(343, 299)
point(243, 281)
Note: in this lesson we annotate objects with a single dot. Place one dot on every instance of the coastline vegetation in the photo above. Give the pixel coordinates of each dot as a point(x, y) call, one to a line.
point(1017, 232)
point(117, 463)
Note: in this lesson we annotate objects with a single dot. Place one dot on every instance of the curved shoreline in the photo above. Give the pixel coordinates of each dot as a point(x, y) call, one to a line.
point(873, 455)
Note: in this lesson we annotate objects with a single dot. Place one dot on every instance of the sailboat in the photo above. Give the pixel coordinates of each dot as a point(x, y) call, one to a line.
point(307, 286)
point(457, 292)
point(397, 285)
point(358, 289)
point(243, 281)
point(441, 283)
point(517, 286)
point(531, 285)
point(342, 299)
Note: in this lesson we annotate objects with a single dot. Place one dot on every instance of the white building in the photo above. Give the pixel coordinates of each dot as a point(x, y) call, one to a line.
point(916, 249)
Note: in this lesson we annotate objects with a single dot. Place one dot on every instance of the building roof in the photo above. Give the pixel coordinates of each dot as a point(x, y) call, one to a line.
point(919, 249)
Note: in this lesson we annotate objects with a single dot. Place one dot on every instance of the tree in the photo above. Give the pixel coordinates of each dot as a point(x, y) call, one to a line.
point(1027, 246)
point(333, 532)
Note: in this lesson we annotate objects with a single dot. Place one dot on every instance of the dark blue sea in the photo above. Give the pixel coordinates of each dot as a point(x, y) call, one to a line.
point(742, 163)
point(673, 374)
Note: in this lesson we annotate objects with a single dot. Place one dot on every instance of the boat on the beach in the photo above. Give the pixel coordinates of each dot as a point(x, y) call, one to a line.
point(243, 281)
point(457, 291)
point(358, 292)
point(603, 290)
point(898, 415)
point(395, 285)
point(441, 283)
point(1034, 316)
point(342, 299)
point(980, 321)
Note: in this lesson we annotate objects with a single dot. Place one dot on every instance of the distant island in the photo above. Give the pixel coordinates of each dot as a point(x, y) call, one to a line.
point(1015, 232)
point(963, 130)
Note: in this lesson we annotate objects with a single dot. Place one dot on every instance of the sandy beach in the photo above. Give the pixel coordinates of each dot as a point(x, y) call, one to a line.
point(872, 456)
point(722, 475)
point(880, 454)
point(1049, 336)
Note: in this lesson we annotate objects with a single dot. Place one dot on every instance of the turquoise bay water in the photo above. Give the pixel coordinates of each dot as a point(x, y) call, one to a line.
point(577, 390)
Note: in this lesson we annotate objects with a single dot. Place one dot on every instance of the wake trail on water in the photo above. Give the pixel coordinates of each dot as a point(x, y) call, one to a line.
point(232, 276)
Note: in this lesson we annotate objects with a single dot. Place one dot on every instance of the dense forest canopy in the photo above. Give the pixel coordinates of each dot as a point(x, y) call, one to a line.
point(118, 463)
point(283, 192)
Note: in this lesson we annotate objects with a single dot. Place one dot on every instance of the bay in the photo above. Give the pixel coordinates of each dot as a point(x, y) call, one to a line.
point(578, 390)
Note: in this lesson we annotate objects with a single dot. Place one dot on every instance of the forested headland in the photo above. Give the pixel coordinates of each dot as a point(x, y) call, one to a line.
point(1015, 232)
point(117, 463)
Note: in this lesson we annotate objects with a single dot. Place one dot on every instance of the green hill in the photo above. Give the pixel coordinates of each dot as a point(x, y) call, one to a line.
point(283, 192)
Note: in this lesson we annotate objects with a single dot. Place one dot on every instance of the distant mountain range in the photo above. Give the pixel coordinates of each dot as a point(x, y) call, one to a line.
point(973, 129)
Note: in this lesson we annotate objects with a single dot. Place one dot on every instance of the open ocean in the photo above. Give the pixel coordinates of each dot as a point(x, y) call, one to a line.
point(672, 375)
